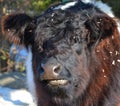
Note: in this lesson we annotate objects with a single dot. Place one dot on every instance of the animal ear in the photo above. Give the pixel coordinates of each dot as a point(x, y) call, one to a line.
point(17, 28)
point(100, 27)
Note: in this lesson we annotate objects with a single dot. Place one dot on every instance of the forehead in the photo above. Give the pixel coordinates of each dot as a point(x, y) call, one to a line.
point(57, 19)
point(58, 24)
point(75, 7)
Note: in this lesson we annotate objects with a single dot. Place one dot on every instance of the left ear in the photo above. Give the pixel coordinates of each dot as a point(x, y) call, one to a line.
point(100, 27)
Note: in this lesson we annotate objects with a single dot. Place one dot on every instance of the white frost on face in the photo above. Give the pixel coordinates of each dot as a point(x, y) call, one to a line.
point(30, 76)
point(65, 6)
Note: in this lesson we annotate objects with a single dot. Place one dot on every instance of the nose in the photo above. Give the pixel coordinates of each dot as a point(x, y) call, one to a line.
point(50, 71)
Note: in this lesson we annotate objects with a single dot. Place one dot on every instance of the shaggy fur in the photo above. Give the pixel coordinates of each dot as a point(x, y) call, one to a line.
point(82, 42)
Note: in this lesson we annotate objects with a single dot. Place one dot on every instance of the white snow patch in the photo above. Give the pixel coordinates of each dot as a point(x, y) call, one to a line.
point(15, 97)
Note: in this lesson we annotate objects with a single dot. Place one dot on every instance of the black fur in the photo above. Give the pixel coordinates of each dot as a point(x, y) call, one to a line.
point(83, 42)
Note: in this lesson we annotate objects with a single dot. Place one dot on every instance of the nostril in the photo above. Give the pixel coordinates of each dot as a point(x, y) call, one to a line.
point(57, 69)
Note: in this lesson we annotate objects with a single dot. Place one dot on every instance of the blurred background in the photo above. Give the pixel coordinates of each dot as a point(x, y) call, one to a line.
point(11, 56)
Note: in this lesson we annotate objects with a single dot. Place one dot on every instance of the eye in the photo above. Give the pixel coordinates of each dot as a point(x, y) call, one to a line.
point(77, 48)
point(46, 44)
point(78, 51)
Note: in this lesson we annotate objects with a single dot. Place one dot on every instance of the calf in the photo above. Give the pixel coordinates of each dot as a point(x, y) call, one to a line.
point(74, 54)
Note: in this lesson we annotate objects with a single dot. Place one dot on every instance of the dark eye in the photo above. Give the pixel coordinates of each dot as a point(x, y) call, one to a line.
point(48, 45)
point(45, 45)
point(76, 47)
point(78, 51)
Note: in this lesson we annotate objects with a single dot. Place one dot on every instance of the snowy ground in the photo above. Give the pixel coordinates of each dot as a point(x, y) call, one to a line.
point(15, 97)
point(13, 90)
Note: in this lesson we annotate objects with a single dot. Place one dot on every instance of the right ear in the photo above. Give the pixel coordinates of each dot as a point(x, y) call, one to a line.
point(18, 28)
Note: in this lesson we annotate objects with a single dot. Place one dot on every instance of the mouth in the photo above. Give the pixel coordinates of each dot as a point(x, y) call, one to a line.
point(60, 82)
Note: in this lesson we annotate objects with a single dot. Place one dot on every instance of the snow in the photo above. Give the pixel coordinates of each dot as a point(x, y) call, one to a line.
point(15, 97)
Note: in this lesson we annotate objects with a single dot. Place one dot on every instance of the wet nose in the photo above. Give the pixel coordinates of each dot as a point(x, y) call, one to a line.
point(50, 71)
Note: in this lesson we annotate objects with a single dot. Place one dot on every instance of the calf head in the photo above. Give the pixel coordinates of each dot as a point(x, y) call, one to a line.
point(64, 44)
